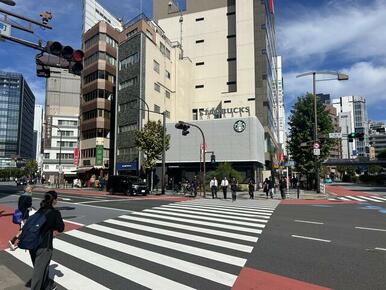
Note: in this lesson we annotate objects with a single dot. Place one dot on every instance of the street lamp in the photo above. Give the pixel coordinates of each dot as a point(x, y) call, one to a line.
point(60, 149)
point(339, 77)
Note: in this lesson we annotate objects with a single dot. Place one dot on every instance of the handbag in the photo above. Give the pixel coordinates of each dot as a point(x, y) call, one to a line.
point(17, 217)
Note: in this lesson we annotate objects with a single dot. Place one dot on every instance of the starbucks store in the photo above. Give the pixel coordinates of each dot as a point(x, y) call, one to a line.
point(238, 141)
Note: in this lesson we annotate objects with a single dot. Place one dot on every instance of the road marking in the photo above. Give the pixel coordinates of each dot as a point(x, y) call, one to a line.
point(200, 252)
point(195, 216)
point(233, 209)
point(75, 223)
point(202, 223)
point(95, 206)
point(309, 238)
point(309, 222)
point(65, 198)
point(104, 200)
point(137, 275)
point(174, 263)
point(370, 229)
point(190, 237)
point(343, 198)
point(371, 199)
point(69, 278)
point(355, 198)
point(380, 249)
point(378, 197)
point(194, 228)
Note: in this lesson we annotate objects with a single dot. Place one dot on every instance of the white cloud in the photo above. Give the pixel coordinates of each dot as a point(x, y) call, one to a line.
point(346, 29)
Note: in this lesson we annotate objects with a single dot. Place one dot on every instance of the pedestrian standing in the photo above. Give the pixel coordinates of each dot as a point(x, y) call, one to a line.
point(24, 204)
point(266, 187)
point(42, 254)
point(251, 187)
point(271, 187)
point(234, 188)
point(282, 187)
point(213, 186)
point(224, 186)
point(194, 186)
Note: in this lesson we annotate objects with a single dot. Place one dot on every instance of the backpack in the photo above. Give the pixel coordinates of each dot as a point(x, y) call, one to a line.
point(17, 217)
point(31, 237)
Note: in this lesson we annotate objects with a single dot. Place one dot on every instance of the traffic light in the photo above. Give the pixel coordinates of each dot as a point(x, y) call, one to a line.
point(184, 127)
point(361, 136)
point(59, 56)
point(212, 158)
point(355, 135)
point(352, 135)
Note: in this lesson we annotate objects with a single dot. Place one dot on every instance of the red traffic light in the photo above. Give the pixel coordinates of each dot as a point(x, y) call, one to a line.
point(78, 55)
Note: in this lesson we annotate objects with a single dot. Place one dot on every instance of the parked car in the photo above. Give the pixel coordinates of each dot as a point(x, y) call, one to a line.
point(327, 180)
point(21, 181)
point(129, 185)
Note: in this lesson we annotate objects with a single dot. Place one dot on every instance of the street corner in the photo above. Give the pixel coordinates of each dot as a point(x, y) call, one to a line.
point(253, 279)
point(7, 228)
point(342, 191)
point(315, 202)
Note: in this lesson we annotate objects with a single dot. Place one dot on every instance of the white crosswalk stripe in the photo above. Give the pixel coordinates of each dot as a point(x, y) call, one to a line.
point(184, 245)
point(361, 198)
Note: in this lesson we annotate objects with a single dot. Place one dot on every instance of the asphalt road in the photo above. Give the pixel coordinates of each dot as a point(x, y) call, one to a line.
point(370, 189)
point(347, 249)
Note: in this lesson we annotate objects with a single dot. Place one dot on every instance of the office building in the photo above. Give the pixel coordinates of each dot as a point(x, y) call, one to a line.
point(324, 98)
point(17, 103)
point(356, 108)
point(377, 137)
point(336, 149)
point(38, 127)
point(61, 124)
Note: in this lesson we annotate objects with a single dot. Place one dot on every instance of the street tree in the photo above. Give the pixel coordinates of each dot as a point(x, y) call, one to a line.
point(382, 154)
point(150, 141)
point(301, 133)
point(30, 169)
point(224, 170)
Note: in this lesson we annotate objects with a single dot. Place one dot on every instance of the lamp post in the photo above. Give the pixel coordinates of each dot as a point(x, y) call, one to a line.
point(60, 150)
point(339, 77)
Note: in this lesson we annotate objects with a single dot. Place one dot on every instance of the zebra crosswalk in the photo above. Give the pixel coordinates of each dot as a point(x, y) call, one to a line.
point(197, 244)
point(360, 198)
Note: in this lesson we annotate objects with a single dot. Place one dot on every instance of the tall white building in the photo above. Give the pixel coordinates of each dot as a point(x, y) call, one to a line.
point(352, 111)
point(93, 12)
point(61, 118)
point(38, 127)
point(280, 108)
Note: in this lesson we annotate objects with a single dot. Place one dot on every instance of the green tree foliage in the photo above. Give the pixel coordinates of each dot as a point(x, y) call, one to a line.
point(31, 167)
point(375, 169)
point(346, 169)
point(382, 154)
point(224, 170)
point(301, 124)
point(5, 174)
point(150, 141)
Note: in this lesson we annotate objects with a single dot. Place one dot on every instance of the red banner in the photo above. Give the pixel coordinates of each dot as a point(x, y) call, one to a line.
point(271, 7)
point(76, 156)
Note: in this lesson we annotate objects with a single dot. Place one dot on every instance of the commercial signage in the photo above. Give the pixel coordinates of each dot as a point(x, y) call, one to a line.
point(99, 155)
point(316, 145)
point(335, 135)
point(316, 152)
point(76, 156)
point(5, 28)
point(219, 112)
point(239, 126)
point(127, 166)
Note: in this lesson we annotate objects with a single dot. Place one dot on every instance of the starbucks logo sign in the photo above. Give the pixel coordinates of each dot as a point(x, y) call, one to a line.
point(239, 126)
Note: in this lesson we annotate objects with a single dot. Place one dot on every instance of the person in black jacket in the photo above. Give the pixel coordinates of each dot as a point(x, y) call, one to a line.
point(24, 204)
point(41, 257)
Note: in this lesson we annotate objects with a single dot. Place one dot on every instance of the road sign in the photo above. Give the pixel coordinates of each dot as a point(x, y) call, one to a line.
point(335, 135)
point(316, 152)
point(289, 163)
point(5, 28)
point(316, 145)
point(323, 188)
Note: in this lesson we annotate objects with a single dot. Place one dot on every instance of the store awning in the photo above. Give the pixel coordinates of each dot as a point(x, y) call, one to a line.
point(83, 169)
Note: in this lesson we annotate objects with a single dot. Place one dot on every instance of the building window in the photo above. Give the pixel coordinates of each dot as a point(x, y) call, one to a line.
point(128, 128)
point(67, 123)
point(46, 155)
point(111, 41)
point(167, 74)
point(127, 106)
point(165, 51)
point(200, 19)
point(231, 59)
point(128, 61)
point(157, 109)
point(231, 36)
point(167, 114)
point(129, 83)
point(155, 66)
point(231, 83)
point(200, 41)
point(199, 86)
point(200, 63)
point(157, 87)
point(134, 31)
point(167, 94)
point(227, 102)
point(231, 13)
point(195, 114)
point(251, 99)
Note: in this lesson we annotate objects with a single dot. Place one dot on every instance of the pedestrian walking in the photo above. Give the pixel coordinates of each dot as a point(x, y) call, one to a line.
point(266, 187)
point(251, 187)
point(234, 188)
point(224, 186)
point(24, 205)
point(213, 186)
point(194, 186)
point(282, 187)
point(48, 219)
point(271, 187)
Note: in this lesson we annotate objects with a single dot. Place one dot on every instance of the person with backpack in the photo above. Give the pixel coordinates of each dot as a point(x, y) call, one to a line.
point(21, 214)
point(37, 236)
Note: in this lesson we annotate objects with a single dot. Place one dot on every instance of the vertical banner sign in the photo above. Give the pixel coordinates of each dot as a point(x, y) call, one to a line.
point(99, 155)
point(271, 7)
point(76, 156)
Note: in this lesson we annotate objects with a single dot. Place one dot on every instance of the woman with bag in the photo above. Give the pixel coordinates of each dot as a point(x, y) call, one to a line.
point(21, 214)
point(51, 220)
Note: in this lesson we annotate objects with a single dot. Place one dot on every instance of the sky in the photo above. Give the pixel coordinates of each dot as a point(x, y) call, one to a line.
point(347, 36)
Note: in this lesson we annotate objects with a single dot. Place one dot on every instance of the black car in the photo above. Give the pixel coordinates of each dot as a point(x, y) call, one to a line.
point(129, 185)
point(21, 181)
